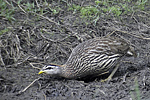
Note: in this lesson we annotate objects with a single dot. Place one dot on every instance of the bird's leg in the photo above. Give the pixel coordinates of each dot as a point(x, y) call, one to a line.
point(103, 73)
point(112, 74)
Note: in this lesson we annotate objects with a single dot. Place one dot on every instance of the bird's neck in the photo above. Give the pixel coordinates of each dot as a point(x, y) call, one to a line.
point(67, 71)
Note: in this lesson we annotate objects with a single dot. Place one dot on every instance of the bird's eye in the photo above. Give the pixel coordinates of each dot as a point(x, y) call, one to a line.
point(49, 68)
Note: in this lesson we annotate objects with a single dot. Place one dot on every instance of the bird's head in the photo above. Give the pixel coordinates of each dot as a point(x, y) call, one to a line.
point(51, 70)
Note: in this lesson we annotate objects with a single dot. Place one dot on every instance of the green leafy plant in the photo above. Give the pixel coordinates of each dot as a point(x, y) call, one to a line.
point(89, 11)
point(4, 31)
point(137, 92)
point(55, 10)
point(29, 7)
point(141, 4)
point(85, 12)
point(74, 8)
point(6, 11)
point(115, 9)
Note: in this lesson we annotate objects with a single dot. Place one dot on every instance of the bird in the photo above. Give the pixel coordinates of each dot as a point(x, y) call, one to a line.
point(92, 58)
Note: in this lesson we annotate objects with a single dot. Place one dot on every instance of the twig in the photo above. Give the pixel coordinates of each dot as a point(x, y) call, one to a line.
point(21, 91)
point(124, 77)
point(48, 39)
point(34, 66)
point(22, 9)
point(141, 37)
point(7, 2)
point(110, 33)
point(37, 4)
point(68, 29)
point(44, 96)
point(1, 59)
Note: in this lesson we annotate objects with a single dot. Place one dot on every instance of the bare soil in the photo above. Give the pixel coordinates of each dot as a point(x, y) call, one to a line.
point(33, 42)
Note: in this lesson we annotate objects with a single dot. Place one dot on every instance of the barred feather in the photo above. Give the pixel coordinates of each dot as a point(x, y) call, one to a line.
point(92, 57)
point(95, 56)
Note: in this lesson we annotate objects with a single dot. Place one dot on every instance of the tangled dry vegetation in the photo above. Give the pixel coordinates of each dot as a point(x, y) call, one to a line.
point(34, 33)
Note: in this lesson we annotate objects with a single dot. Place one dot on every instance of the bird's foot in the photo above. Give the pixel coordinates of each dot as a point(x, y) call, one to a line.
point(107, 79)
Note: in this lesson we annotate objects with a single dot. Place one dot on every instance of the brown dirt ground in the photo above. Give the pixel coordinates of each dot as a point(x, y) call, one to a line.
point(34, 41)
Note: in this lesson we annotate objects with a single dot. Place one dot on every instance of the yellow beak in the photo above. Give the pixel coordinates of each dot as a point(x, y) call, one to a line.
point(40, 72)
